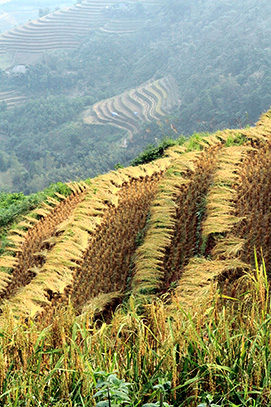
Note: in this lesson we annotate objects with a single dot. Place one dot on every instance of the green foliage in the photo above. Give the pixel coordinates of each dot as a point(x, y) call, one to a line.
point(162, 389)
point(117, 166)
point(114, 390)
point(40, 115)
point(14, 205)
point(235, 141)
point(209, 399)
point(194, 142)
point(152, 152)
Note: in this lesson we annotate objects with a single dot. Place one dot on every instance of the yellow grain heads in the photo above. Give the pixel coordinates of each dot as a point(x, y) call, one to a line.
point(173, 226)
point(86, 250)
point(30, 242)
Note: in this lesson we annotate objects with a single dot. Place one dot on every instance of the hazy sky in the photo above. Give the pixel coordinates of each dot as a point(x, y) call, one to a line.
point(16, 12)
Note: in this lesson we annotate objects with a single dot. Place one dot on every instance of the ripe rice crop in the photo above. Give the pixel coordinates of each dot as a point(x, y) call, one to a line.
point(188, 224)
point(33, 239)
point(253, 202)
point(174, 233)
point(107, 199)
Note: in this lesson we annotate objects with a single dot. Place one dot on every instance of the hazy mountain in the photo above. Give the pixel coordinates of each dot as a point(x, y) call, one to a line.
point(106, 58)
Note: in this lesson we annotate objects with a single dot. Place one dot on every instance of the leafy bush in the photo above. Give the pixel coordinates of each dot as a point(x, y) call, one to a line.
point(112, 391)
point(14, 204)
point(152, 152)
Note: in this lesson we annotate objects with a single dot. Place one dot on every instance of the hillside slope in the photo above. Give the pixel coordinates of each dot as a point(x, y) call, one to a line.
point(180, 221)
point(147, 284)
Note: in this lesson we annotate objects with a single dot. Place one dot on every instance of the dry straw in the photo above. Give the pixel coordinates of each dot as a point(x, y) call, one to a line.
point(70, 238)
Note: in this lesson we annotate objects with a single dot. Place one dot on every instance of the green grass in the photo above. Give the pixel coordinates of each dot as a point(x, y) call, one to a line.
point(220, 350)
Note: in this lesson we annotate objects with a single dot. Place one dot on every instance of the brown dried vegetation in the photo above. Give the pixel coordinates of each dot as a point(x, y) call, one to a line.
point(33, 238)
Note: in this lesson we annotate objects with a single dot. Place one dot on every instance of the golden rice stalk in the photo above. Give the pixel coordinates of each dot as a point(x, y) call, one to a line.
point(15, 239)
point(187, 161)
point(198, 275)
point(174, 152)
point(41, 212)
point(26, 303)
point(220, 223)
point(4, 279)
point(227, 134)
point(29, 245)
point(255, 133)
point(98, 304)
point(264, 124)
point(66, 255)
point(149, 256)
point(110, 256)
point(46, 207)
point(31, 299)
point(8, 261)
point(220, 219)
point(52, 200)
point(60, 196)
point(26, 225)
point(19, 232)
point(13, 249)
point(31, 219)
point(77, 187)
point(220, 198)
point(229, 247)
point(209, 141)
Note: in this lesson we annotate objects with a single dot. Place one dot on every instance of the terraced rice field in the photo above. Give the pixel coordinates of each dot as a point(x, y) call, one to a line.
point(121, 26)
point(63, 29)
point(130, 109)
point(178, 224)
point(12, 98)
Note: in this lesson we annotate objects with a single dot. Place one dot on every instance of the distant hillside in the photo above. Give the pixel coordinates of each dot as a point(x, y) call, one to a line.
point(64, 28)
point(17, 12)
point(218, 57)
point(151, 101)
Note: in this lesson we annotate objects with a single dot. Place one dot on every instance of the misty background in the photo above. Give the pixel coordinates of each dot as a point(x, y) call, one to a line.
point(16, 12)
point(210, 59)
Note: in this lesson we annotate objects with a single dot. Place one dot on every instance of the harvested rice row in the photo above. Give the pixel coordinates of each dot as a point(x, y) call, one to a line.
point(219, 244)
point(174, 228)
point(106, 265)
point(55, 278)
point(33, 238)
point(149, 256)
point(186, 241)
point(228, 252)
point(253, 204)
